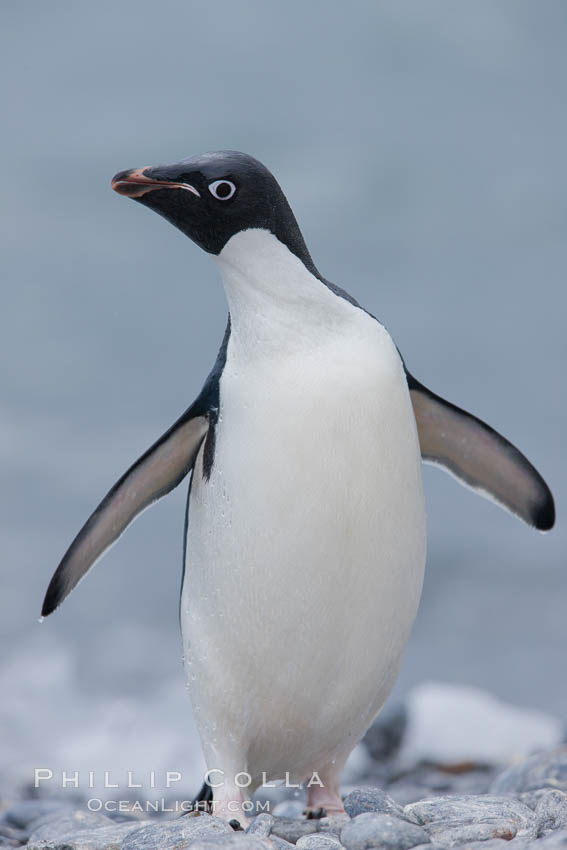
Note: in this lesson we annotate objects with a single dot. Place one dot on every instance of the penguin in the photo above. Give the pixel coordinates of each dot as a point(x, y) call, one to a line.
point(305, 537)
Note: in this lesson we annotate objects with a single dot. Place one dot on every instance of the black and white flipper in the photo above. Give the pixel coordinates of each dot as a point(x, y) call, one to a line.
point(480, 457)
point(155, 474)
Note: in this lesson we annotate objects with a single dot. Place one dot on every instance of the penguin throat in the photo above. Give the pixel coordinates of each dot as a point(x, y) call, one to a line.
point(272, 295)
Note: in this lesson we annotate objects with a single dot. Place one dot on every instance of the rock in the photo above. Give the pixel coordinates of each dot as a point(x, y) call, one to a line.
point(494, 844)
point(280, 843)
point(333, 824)
point(544, 770)
point(22, 814)
point(454, 725)
point(12, 833)
point(235, 841)
point(289, 809)
point(555, 841)
point(177, 834)
point(384, 831)
point(261, 825)
point(291, 829)
point(58, 824)
point(551, 810)
point(463, 819)
point(470, 833)
point(431, 846)
point(103, 838)
point(384, 738)
point(318, 842)
point(371, 800)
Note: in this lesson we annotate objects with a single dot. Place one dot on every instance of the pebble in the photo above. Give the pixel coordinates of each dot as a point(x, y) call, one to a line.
point(22, 814)
point(455, 820)
point(555, 841)
point(292, 829)
point(236, 841)
point(12, 833)
point(318, 842)
point(551, 810)
point(494, 844)
point(333, 824)
point(280, 843)
point(176, 834)
point(479, 833)
point(545, 770)
point(56, 824)
point(384, 831)
point(103, 838)
point(371, 800)
point(261, 825)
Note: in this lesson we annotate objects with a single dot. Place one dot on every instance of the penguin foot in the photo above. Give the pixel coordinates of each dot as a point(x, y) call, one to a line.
point(315, 814)
point(325, 799)
point(235, 824)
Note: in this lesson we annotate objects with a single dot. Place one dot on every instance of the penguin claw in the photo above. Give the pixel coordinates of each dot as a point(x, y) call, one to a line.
point(236, 825)
point(315, 814)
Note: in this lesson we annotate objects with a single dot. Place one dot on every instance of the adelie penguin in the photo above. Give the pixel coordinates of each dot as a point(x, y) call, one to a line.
point(305, 529)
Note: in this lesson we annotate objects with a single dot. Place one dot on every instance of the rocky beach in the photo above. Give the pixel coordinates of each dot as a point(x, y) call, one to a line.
point(449, 768)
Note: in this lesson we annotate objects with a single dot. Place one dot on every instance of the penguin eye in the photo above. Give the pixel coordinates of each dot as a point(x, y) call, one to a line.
point(222, 190)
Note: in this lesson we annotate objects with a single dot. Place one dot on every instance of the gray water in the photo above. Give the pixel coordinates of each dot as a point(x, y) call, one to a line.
point(422, 147)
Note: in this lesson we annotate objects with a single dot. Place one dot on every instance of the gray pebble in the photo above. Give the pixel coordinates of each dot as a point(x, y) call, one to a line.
point(546, 770)
point(261, 825)
point(54, 825)
point(319, 841)
point(13, 833)
point(371, 800)
point(462, 819)
point(280, 843)
point(289, 809)
point(103, 838)
point(470, 833)
point(291, 829)
point(554, 841)
point(384, 831)
point(235, 841)
point(333, 824)
point(178, 834)
point(495, 844)
point(551, 810)
point(431, 846)
point(22, 814)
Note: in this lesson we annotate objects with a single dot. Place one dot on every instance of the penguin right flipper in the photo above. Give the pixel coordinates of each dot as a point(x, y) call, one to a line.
point(480, 457)
point(158, 471)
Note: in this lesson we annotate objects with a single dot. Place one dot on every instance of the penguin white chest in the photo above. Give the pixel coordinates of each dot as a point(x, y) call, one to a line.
point(305, 549)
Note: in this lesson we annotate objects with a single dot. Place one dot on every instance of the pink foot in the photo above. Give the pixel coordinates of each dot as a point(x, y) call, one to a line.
point(325, 796)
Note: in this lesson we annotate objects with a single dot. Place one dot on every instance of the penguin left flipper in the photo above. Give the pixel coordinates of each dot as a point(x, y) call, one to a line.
point(158, 471)
point(480, 457)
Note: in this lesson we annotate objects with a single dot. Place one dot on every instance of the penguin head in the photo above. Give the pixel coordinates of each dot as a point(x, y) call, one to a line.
point(214, 196)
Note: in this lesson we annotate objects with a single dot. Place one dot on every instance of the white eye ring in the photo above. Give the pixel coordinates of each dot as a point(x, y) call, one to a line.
point(224, 196)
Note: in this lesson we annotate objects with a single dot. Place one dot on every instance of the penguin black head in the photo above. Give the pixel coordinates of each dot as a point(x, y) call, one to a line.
point(214, 196)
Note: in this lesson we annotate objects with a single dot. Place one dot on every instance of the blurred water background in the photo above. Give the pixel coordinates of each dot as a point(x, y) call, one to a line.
point(422, 147)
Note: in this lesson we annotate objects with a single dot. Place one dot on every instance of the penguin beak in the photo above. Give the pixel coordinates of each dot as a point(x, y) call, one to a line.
point(136, 182)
